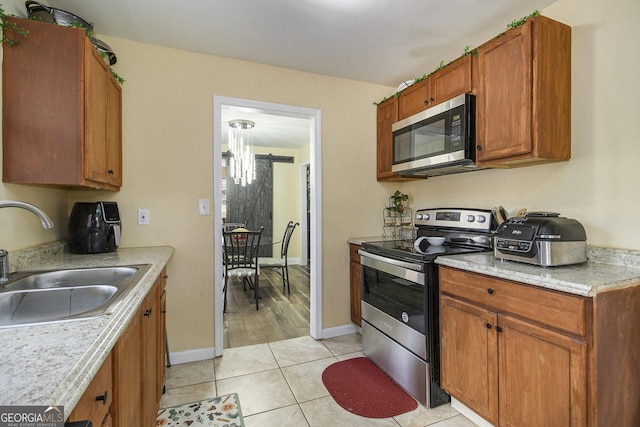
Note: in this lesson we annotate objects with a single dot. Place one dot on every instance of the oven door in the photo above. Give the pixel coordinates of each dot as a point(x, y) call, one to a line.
point(394, 299)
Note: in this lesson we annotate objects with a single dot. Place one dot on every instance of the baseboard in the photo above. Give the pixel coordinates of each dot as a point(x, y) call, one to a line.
point(341, 330)
point(468, 413)
point(180, 357)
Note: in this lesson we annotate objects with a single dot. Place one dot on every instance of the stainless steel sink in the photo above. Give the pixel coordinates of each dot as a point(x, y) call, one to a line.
point(64, 295)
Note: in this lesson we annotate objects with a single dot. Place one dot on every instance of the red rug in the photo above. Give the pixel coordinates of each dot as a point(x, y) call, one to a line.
point(360, 387)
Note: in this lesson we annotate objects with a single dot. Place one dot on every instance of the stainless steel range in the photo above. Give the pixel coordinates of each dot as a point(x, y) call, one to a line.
point(400, 316)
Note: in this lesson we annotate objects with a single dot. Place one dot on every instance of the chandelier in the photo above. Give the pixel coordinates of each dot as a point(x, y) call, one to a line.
point(242, 162)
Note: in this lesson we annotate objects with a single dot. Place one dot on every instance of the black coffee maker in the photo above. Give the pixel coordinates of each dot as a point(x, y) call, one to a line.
point(94, 228)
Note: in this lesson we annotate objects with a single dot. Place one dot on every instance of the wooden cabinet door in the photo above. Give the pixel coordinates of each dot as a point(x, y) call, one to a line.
point(542, 376)
point(355, 270)
point(114, 131)
point(95, 402)
point(504, 102)
point(414, 99)
point(161, 334)
point(451, 81)
point(127, 379)
point(95, 140)
point(468, 352)
point(387, 115)
point(149, 346)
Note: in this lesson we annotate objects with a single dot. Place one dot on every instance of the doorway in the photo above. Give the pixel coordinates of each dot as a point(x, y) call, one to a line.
point(315, 240)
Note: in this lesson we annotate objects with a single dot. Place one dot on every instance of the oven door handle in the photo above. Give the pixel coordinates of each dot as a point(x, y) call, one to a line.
point(406, 270)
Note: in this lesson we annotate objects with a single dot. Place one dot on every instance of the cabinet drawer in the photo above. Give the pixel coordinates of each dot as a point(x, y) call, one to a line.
point(559, 310)
point(353, 253)
point(95, 402)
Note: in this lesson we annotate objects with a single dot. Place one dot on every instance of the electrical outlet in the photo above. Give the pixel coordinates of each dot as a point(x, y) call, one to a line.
point(203, 207)
point(143, 216)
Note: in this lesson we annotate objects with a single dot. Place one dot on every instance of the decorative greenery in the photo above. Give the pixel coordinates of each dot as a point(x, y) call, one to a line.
point(117, 76)
point(467, 51)
point(4, 26)
point(518, 22)
point(397, 202)
point(91, 35)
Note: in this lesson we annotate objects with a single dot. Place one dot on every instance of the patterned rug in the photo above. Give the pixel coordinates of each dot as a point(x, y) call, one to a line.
point(223, 411)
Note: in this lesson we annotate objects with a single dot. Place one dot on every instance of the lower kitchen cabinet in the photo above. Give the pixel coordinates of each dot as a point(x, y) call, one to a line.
point(138, 376)
point(513, 367)
point(127, 377)
point(355, 284)
point(95, 403)
point(522, 355)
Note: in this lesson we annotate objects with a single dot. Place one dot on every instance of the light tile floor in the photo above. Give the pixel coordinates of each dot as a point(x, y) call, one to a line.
point(280, 384)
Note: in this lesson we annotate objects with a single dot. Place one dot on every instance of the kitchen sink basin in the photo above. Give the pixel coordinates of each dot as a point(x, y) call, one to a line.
point(64, 295)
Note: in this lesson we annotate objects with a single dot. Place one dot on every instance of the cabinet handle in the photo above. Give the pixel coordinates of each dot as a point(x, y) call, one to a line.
point(479, 147)
point(490, 291)
point(103, 398)
point(165, 277)
point(110, 171)
point(488, 325)
point(499, 328)
point(426, 102)
point(147, 313)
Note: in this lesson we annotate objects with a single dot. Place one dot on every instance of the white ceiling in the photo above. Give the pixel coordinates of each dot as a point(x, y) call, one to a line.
point(378, 41)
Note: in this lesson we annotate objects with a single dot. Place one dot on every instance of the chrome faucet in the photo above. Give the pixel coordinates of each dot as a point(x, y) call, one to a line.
point(44, 219)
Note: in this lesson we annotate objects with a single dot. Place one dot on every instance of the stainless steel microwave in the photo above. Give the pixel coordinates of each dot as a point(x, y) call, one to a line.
point(439, 140)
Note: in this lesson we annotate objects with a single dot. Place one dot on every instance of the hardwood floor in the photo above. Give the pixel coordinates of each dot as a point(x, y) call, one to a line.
point(281, 316)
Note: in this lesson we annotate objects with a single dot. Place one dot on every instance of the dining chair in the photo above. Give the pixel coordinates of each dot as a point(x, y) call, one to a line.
point(281, 265)
point(230, 226)
point(240, 259)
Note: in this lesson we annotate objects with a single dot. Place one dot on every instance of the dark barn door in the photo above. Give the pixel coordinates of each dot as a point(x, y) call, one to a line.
point(254, 203)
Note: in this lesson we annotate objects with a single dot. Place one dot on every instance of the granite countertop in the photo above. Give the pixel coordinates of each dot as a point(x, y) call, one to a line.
point(53, 364)
point(606, 269)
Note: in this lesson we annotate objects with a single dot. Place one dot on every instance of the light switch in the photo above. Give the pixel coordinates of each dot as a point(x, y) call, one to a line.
point(203, 207)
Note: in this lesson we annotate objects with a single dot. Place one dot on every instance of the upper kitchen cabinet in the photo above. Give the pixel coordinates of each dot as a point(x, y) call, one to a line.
point(387, 115)
point(444, 84)
point(524, 95)
point(62, 111)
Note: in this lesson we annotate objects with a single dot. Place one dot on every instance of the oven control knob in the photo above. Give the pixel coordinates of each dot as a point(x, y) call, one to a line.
point(426, 216)
point(405, 317)
point(419, 216)
point(471, 218)
point(481, 218)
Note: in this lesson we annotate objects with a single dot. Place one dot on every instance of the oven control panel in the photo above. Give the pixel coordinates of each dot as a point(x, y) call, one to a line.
point(469, 219)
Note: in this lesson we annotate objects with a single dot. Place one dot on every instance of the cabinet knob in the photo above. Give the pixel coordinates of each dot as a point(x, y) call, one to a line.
point(103, 398)
point(165, 277)
point(478, 147)
point(426, 102)
point(499, 328)
point(488, 325)
point(147, 313)
point(490, 291)
point(110, 171)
